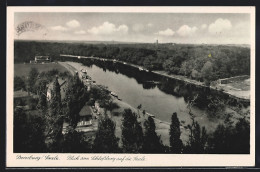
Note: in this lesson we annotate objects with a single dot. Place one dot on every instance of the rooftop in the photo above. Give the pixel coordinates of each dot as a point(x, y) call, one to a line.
point(85, 111)
point(61, 82)
point(41, 57)
point(20, 93)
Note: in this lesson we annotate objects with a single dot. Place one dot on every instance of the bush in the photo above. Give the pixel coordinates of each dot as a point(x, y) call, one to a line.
point(19, 83)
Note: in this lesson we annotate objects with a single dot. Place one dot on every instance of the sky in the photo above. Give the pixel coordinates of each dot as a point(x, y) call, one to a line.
point(193, 28)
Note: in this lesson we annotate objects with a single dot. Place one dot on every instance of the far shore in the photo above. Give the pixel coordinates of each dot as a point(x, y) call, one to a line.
point(234, 94)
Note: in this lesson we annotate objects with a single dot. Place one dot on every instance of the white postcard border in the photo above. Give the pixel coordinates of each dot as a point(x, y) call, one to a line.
point(151, 160)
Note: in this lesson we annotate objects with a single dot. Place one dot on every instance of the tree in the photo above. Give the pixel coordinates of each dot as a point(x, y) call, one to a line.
point(18, 83)
point(218, 141)
point(55, 102)
point(74, 142)
point(76, 97)
point(175, 133)
point(147, 63)
point(109, 105)
point(195, 74)
point(132, 134)
point(207, 72)
point(42, 91)
point(54, 118)
point(28, 133)
point(106, 141)
point(33, 75)
point(171, 66)
point(56, 91)
point(152, 142)
point(197, 139)
point(242, 136)
point(99, 93)
point(227, 60)
point(144, 112)
point(229, 138)
point(139, 108)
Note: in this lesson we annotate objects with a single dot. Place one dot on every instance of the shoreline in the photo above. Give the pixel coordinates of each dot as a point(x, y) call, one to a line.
point(161, 73)
point(162, 127)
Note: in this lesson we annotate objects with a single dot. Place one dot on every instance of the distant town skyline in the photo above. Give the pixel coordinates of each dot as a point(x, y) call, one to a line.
point(193, 28)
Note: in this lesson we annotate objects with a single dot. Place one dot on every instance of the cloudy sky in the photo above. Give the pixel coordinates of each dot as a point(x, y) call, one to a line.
point(138, 27)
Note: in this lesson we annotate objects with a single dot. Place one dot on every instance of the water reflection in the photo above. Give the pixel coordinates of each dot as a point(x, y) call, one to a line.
point(158, 94)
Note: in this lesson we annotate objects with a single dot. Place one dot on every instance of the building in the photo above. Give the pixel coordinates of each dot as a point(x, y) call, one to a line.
point(21, 97)
point(86, 123)
point(62, 84)
point(97, 107)
point(85, 117)
point(42, 59)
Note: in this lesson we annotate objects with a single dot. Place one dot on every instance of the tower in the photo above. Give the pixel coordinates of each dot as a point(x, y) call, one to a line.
point(156, 44)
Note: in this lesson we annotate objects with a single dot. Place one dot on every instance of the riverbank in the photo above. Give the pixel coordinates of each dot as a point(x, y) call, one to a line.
point(162, 127)
point(156, 102)
point(236, 94)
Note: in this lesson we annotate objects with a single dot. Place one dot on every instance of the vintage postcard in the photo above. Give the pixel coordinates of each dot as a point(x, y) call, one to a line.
point(130, 86)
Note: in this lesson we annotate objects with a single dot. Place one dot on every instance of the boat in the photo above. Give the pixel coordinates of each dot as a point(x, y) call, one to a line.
point(84, 77)
point(114, 94)
point(84, 71)
point(141, 69)
point(150, 115)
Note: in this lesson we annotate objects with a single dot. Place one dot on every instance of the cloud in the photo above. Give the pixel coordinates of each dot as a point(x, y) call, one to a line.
point(138, 27)
point(204, 26)
point(122, 29)
point(108, 28)
point(185, 30)
point(219, 26)
point(150, 25)
point(167, 32)
point(59, 28)
point(73, 24)
point(80, 32)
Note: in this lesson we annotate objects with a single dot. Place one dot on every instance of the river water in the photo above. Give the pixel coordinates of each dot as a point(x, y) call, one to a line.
point(129, 86)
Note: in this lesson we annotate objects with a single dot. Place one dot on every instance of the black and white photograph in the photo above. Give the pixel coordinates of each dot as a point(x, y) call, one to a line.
point(131, 85)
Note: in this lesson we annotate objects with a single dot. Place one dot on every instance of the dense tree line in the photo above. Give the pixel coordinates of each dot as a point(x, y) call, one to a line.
point(41, 130)
point(28, 132)
point(200, 62)
point(229, 138)
point(226, 139)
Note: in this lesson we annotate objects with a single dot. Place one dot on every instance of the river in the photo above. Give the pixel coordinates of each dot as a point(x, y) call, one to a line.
point(130, 85)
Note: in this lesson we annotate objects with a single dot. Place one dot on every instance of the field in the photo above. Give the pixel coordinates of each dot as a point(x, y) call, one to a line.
point(24, 69)
point(237, 87)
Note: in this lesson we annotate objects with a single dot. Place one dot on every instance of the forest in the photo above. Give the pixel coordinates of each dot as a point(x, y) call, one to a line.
point(203, 62)
point(40, 130)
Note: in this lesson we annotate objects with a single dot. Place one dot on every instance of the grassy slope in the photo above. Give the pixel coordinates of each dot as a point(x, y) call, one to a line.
point(24, 69)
